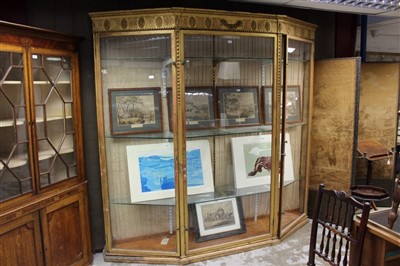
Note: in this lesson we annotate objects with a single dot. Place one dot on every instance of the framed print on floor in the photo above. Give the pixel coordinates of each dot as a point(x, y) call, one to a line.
point(252, 160)
point(219, 218)
point(134, 111)
point(200, 107)
point(151, 170)
point(238, 106)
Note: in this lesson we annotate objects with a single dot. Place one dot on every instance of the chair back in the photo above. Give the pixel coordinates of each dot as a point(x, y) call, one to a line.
point(333, 231)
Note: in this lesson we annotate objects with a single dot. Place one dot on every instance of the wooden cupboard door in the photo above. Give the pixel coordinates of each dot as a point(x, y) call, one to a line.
point(20, 241)
point(65, 232)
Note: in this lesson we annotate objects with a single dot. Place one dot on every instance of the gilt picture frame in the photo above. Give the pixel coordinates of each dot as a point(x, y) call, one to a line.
point(218, 218)
point(238, 106)
point(151, 170)
point(135, 110)
point(252, 160)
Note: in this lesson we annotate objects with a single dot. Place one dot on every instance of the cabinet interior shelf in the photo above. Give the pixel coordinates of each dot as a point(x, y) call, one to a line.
point(22, 159)
point(21, 121)
point(10, 122)
point(38, 82)
point(220, 192)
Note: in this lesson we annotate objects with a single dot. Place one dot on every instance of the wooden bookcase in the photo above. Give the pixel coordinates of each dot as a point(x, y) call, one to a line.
point(43, 190)
point(182, 95)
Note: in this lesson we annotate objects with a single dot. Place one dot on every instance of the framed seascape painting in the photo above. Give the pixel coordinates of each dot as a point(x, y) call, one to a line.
point(252, 160)
point(219, 218)
point(238, 106)
point(293, 104)
point(151, 170)
point(200, 107)
point(134, 111)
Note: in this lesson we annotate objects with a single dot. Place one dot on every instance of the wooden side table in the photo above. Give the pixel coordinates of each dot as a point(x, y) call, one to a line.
point(372, 150)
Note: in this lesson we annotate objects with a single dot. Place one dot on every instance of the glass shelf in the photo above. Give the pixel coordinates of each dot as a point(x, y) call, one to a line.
point(229, 58)
point(206, 132)
point(137, 59)
point(221, 192)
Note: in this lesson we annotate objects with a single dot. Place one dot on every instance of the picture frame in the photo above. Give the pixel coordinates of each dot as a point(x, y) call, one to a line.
point(293, 104)
point(200, 108)
point(135, 110)
point(152, 175)
point(238, 106)
point(252, 160)
point(218, 218)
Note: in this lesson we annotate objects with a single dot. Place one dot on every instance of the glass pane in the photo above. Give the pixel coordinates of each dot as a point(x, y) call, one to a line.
point(54, 120)
point(136, 75)
point(297, 127)
point(228, 144)
point(15, 176)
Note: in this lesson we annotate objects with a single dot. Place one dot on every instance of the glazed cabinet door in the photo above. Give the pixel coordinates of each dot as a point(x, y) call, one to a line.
point(20, 241)
point(15, 173)
point(53, 94)
point(297, 120)
point(230, 150)
point(65, 231)
point(137, 145)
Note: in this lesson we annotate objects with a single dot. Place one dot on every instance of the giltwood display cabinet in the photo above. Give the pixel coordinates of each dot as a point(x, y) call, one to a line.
point(43, 191)
point(198, 157)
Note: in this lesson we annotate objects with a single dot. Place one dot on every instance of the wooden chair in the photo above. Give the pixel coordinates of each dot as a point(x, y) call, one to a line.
point(334, 229)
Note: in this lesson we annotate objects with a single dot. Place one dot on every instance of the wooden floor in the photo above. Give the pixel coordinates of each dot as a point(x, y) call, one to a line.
point(166, 242)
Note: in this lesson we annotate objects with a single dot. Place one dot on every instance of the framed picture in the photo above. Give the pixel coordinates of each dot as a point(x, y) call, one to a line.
point(219, 218)
point(238, 106)
point(252, 160)
point(199, 108)
point(134, 111)
point(151, 170)
point(293, 104)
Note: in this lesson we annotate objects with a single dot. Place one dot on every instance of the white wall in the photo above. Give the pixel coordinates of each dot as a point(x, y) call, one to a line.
point(383, 37)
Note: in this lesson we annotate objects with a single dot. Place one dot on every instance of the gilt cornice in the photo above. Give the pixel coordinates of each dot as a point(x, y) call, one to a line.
point(199, 19)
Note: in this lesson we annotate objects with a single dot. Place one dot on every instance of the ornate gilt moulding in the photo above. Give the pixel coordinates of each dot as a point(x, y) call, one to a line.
point(200, 19)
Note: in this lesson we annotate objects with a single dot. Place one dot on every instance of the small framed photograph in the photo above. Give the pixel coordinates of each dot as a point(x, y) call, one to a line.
point(219, 218)
point(152, 175)
point(134, 111)
point(293, 104)
point(238, 106)
point(199, 108)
